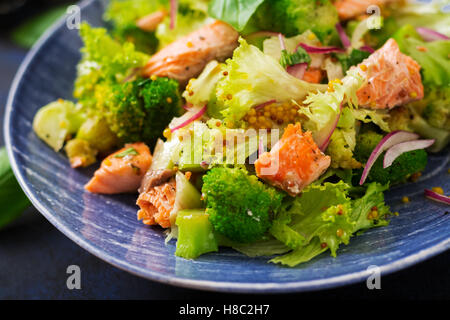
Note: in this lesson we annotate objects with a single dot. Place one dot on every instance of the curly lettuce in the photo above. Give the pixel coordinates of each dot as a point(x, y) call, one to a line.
point(254, 78)
point(325, 217)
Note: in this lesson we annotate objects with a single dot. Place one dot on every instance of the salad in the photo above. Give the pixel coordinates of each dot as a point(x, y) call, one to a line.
point(273, 127)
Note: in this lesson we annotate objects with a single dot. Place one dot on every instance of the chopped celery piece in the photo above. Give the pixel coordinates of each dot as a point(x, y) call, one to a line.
point(195, 234)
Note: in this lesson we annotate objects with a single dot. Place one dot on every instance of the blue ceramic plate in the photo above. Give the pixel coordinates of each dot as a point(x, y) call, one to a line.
point(107, 227)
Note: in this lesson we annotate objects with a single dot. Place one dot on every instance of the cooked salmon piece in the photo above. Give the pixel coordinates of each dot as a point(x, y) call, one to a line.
point(151, 21)
point(156, 203)
point(313, 75)
point(186, 57)
point(294, 161)
point(349, 9)
point(391, 78)
point(122, 171)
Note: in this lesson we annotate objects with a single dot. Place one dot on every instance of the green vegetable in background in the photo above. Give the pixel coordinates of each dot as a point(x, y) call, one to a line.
point(235, 12)
point(30, 31)
point(12, 198)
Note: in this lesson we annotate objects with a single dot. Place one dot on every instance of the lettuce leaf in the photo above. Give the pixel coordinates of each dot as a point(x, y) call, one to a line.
point(433, 59)
point(324, 217)
point(254, 78)
point(235, 12)
point(320, 212)
point(322, 108)
point(430, 15)
point(202, 89)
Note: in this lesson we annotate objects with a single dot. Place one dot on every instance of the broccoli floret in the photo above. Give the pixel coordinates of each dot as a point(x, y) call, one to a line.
point(144, 41)
point(429, 117)
point(139, 110)
point(293, 17)
point(239, 205)
point(405, 165)
point(437, 109)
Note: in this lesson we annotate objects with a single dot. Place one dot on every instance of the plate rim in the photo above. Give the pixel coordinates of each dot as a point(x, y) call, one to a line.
point(219, 286)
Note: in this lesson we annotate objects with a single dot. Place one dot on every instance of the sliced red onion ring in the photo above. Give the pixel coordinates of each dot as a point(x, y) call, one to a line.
point(297, 70)
point(388, 141)
point(430, 34)
point(173, 13)
point(395, 151)
point(312, 49)
point(282, 44)
point(326, 142)
point(193, 114)
point(261, 34)
point(262, 105)
point(367, 49)
point(437, 197)
point(342, 35)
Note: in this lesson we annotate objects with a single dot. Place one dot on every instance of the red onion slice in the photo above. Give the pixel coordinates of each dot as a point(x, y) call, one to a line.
point(297, 70)
point(312, 49)
point(388, 141)
point(367, 49)
point(193, 114)
point(262, 105)
point(326, 142)
point(395, 151)
point(437, 197)
point(342, 35)
point(173, 13)
point(282, 44)
point(430, 34)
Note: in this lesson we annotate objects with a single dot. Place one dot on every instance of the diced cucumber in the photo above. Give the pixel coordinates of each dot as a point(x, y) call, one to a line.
point(186, 197)
point(195, 234)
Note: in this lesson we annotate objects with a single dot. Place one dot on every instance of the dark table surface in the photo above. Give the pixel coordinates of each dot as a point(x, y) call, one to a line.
point(34, 257)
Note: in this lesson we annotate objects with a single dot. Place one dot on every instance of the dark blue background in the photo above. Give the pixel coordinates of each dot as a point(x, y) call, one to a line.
point(34, 256)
